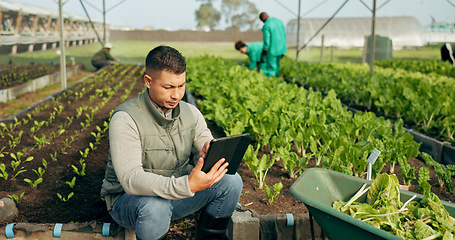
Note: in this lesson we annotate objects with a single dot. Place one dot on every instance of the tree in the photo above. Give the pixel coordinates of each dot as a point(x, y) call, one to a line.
point(207, 15)
point(240, 14)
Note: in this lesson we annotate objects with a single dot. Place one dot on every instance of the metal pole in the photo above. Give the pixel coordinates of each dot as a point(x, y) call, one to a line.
point(62, 47)
point(321, 57)
point(373, 37)
point(298, 33)
point(104, 21)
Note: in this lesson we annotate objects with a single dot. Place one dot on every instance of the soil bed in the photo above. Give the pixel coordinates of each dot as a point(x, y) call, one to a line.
point(42, 205)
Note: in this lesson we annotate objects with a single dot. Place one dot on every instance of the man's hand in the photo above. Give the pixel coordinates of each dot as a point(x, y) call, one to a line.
point(204, 150)
point(199, 180)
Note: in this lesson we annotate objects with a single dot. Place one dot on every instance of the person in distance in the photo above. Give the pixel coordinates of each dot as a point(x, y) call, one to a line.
point(254, 52)
point(103, 57)
point(274, 38)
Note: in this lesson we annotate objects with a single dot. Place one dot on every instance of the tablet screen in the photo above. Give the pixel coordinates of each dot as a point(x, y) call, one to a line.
point(232, 148)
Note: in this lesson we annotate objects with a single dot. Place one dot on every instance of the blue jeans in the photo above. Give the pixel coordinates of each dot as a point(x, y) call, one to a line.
point(150, 216)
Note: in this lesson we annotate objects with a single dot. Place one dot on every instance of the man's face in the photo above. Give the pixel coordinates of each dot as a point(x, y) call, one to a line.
point(165, 89)
point(243, 49)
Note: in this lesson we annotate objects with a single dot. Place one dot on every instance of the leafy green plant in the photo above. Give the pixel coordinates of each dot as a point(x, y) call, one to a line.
point(82, 171)
point(17, 159)
point(13, 125)
point(15, 140)
point(423, 181)
point(16, 198)
point(259, 167)
point(42, 141)
point(444, 173)
point(36, 127)
point(316, 126)
point(72, 182)
point(39, 171)
point(407, 172)
point(271, 194)
point(293, 164)
point(426, 219)
point(35, 183)
point(65, 199)
point(4, 173)
point(44, 163)
point(21, 170)
point(98, 135)
point(92, 146)
point(85, 153)
point(424, 100)
point(53, 156)
point(2, 154)
point(3, 129)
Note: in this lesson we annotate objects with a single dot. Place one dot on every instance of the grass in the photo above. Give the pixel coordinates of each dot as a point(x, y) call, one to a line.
point(134, 52)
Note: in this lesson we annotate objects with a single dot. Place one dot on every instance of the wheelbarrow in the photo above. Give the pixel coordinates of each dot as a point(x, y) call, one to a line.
point(318, 188)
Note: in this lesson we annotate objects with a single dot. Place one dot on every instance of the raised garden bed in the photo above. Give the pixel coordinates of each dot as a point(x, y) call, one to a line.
point(89, 105)
point(46, 78)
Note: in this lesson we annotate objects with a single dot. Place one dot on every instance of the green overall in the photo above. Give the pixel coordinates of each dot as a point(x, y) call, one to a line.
point(274, 37)
point(254, 52)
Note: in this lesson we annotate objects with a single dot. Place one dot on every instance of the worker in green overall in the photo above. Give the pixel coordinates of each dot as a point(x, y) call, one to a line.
point(274, 37)
point(254, 52)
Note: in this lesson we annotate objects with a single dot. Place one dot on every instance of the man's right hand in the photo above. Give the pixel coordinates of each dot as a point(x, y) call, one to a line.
point(199, 180)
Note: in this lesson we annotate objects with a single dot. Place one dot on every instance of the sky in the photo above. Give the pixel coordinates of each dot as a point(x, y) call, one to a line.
point(180, 14)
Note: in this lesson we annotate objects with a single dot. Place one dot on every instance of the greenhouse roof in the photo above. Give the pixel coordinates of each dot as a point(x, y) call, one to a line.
point(39, 11)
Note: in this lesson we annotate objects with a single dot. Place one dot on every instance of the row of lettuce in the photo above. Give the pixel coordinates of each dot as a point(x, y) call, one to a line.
point(424, 66)
point(295, 126)
point(396, 90)
point(52, 145)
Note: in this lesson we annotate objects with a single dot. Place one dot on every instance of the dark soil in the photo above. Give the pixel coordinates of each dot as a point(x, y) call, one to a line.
point(42, 205)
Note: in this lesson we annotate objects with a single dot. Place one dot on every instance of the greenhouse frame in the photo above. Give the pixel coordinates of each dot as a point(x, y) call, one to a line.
point(351, 32)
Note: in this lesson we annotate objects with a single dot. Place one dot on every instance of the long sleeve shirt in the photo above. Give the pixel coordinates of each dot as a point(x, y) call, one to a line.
point(126, 155)
point(274, 37)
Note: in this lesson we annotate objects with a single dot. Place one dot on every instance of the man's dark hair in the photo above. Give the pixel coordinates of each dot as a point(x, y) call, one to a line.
point(263, 16)
point(239, 44)
point(165, 58)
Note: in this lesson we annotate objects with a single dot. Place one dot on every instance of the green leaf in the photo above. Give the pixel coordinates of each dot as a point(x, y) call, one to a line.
point(384, 189)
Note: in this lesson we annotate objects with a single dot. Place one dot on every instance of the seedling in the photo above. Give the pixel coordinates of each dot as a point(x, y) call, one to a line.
point(65, 199)
point(39, 171)
point(19, 172)
point(36, 127)
point(84, 154)
point(3, 173)
point(82, 171)
point(35, 183)
point(44, 163)
point(17, 159)
point(271, 195)
point(42, 141)
point(72, 182)
point(15, 140)
point(16, 198)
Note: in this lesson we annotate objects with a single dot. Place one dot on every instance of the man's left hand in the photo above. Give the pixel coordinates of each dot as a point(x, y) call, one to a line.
point(199, 180)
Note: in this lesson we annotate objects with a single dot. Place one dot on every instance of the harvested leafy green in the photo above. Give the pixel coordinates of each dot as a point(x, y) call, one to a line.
point(427, 219)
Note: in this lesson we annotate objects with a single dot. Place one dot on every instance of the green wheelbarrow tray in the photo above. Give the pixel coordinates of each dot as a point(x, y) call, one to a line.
point(318, 188)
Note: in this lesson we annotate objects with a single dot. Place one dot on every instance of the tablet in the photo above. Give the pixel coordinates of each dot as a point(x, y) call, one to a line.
point(231, 148)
